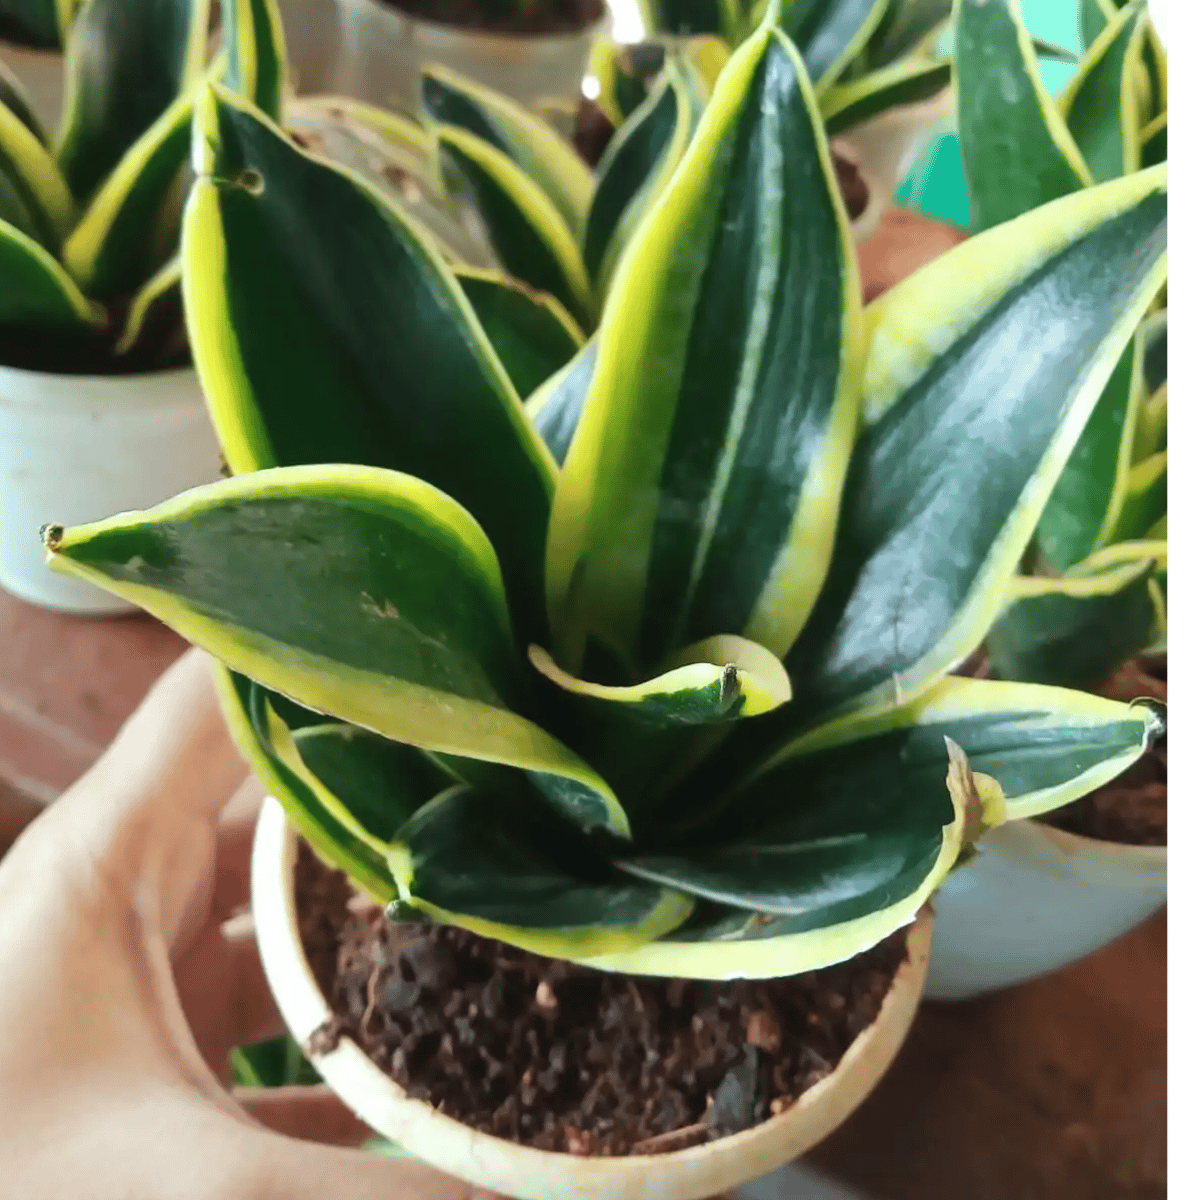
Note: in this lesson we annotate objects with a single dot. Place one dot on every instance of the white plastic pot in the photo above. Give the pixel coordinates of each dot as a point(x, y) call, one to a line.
point(885, 148)
point(1036, 899)
point(40, 73)
point(519, 1171)
point(384, 50)
point(77, 448)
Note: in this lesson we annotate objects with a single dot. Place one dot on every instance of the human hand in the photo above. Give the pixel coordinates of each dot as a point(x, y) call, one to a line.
point(128, 976)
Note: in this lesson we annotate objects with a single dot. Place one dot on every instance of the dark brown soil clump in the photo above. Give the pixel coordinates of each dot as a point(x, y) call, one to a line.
point(1132, 809)
point(593, 132)
point(547, 17)
point(563, 1058)
point(855, 193)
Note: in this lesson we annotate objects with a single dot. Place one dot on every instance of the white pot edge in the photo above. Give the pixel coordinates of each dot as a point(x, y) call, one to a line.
point(1042, 900)
point(90, 415)
point(522, 1172)
point(435, 31)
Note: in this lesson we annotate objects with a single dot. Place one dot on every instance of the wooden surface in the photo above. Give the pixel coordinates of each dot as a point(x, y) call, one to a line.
point(1051, 1091)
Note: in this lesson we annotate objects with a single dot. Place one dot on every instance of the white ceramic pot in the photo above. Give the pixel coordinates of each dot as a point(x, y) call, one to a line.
point(885, 148)
point(384, 50)
point(1035, 899)
point(519, 1171)
point(40, 73)
point(77, 448)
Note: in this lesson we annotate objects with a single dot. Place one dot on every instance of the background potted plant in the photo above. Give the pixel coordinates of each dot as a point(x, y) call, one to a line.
point(1088, 609)
point(99, 409)
point(635, 713)
point(535, 51)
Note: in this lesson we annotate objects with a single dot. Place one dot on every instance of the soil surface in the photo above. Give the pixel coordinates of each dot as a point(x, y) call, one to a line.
point(548, 16)
point(1132, 809)
point(562, 1058)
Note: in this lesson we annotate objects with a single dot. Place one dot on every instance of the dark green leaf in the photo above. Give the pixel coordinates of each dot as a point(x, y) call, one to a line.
point(1075, 514)
point(1075, 632)
point(509, 867)
point(371, 354)
point(126, 61)
point(255, 57)
point(1101, 103)
point(531, 333)
point(934, 521)
point(1017, 151)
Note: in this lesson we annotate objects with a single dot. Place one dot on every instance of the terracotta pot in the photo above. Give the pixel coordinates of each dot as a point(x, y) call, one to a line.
point(384, 49)
point(76, 448)
point(1034, 900)
point(522, 1172)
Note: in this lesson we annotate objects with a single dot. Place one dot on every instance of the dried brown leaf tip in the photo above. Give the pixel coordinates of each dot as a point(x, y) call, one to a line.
point(979, 796)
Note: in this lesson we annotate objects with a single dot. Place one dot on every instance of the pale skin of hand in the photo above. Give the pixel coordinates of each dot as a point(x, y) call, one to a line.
point(125, 984)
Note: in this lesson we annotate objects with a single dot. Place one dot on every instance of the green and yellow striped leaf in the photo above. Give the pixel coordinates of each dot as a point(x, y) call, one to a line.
point(1100, 103)
point(1075, 631)
point(716, 680)
point(126, 62)
point(829, 33)
point(157, 293)
point(14, 98)
point(34, 197)
point(1009, 340)
point(111, 251)
point(1152, 141)
point(533, 335)
point(509, 868)
point(906, 26)
point(910, 82)
point(636, 168)
point(223, 564)
point(555, 408)
point(1143, 502)
point(552, 163)
point(336, 840)
point(255, 56)
point(1017, 150)
point(1151, 435)
point(372, 353)
point(1094, 18)
point(529, 235)
point(1090, 488)
point(786, 887)
point(37, 292)
point(700, 492)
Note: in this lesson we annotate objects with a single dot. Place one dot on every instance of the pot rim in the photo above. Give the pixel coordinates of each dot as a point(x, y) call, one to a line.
point(7, 47)
point(522, 1171)
point(43, 391)
point(442, 30)
point(1077, 843)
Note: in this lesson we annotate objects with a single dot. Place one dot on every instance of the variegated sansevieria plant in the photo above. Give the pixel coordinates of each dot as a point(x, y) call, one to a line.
point(680, 705)
point(89, 220)
point(563, 232)
point(1093, 592)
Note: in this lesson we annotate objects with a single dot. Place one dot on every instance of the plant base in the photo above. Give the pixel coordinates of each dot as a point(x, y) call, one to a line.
point(524, 1171)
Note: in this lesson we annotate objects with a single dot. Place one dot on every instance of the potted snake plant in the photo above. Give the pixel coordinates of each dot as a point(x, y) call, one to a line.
point(1088, 607)
point(535, 51)
point(624, 777)
point(99, 408)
